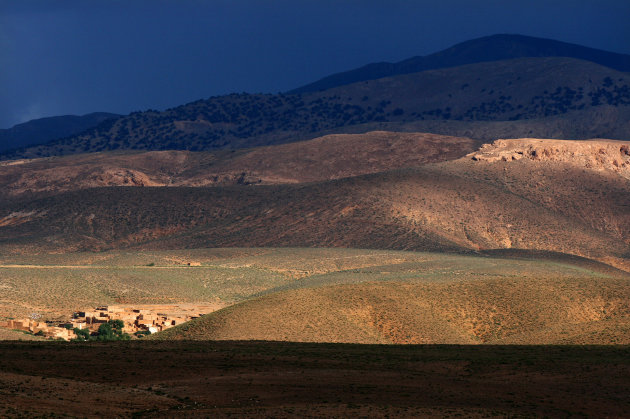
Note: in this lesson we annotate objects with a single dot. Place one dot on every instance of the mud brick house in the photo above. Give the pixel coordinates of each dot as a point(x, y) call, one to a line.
point(35, 327)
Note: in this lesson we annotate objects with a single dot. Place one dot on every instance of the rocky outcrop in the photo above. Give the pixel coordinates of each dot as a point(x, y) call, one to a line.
point(592, 154)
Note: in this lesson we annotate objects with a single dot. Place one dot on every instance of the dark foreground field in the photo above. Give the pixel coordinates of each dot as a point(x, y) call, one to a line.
point(266, 379)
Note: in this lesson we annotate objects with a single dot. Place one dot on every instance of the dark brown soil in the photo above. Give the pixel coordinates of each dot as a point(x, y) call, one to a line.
point(264, 379)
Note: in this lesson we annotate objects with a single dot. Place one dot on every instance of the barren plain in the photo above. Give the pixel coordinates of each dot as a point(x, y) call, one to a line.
point(267, 379)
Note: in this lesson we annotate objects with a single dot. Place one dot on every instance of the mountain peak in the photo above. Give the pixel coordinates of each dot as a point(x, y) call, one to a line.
point(489, 48)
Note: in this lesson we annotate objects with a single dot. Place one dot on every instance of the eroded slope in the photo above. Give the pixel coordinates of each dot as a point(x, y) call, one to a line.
point(325, 158)
point(565, 205)
point(599, 155)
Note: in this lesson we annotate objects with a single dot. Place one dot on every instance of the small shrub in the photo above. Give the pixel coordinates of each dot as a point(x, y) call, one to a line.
point(82, 334)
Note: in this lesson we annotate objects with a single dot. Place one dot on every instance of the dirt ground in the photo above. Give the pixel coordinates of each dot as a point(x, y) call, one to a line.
point(267, 379)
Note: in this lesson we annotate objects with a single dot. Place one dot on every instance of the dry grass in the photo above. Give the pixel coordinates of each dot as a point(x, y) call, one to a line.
point(522, 311)
point(405, 297)
point(57, 284)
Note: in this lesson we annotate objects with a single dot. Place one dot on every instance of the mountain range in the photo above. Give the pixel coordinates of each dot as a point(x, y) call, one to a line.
point(434, 182)
point(489, 48)
point(488, 88)
point(382, 163)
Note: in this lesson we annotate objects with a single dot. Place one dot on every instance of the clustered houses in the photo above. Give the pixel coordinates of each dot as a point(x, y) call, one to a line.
point(149, 318)
point(41, 328)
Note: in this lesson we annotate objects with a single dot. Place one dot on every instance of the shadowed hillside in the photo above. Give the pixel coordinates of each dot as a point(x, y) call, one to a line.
point(489, 48)
point(548, 97)
point(40, 131)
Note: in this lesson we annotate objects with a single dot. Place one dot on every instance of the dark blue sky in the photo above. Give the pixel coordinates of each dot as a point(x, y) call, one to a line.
point(73, 57)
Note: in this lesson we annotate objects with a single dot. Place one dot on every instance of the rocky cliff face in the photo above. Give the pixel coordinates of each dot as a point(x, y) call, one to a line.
point(602, 155)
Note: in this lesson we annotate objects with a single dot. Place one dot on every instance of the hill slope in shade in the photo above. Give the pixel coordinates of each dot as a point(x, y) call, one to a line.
point(489, 48)
point(325, 158)
point(548, 97)
point(460, 205)
point(40, 131)
point(282, 380)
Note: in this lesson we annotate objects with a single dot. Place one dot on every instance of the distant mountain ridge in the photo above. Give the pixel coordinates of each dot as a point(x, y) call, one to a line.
point(489, 48)
point(42, 130)
point(484, 89)
point(530, 97)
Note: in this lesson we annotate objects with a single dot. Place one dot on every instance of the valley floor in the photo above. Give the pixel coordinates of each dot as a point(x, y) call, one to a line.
point(335, 295)
point(273, 379)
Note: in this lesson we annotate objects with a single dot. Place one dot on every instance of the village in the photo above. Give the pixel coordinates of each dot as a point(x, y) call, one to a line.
point(137, 320)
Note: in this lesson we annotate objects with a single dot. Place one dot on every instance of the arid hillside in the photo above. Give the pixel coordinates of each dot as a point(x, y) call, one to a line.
point(325, 158)
point(460, 205)
point(598, 155)
point(6, 334)
point(468, 310)
point(56, 285)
